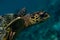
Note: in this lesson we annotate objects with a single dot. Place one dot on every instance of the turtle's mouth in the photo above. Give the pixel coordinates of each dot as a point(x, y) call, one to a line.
point(44, 15)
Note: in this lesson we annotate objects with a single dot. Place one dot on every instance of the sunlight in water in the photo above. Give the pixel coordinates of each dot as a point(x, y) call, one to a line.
point(57, 26)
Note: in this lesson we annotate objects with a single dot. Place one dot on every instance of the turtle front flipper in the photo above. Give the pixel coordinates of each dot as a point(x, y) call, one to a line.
point(22, 12)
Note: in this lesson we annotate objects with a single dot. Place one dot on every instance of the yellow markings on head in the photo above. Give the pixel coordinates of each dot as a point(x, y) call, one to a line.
point(36, 15)
point(32, 20)
point(35, 19)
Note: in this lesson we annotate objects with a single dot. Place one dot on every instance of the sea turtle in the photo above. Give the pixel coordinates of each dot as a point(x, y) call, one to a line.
point(24, 20)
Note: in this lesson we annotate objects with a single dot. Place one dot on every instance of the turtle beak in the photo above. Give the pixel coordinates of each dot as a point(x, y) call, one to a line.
point(44, 15)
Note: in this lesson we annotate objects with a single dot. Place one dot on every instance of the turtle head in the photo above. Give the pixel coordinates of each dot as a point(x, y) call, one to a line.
point(43, 15)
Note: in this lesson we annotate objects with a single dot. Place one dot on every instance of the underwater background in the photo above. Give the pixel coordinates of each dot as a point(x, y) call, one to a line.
point(48, 30)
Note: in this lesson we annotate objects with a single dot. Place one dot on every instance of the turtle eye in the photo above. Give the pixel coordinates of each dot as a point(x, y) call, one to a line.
point(43, 14)
point(32, 17)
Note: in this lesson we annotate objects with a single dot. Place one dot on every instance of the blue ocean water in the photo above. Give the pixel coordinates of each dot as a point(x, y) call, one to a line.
point(39, 31)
